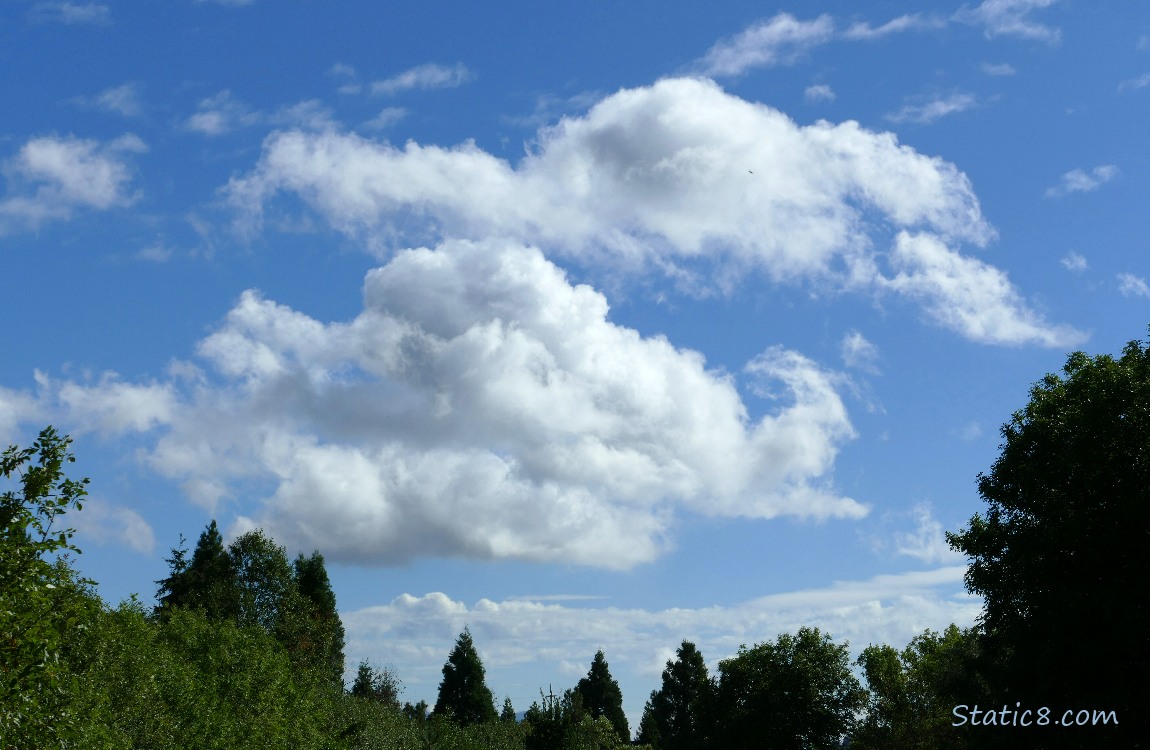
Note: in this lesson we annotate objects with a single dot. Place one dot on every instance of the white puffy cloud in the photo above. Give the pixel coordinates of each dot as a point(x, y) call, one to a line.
point(109, 406)
point(779, 40)
point(1081, 181)
point(667, 176)
point(934, 109)
point(525, 643)
point(482, 406)
point(1132, 286)
point(1010, 18)
point(52, 177)
point(429, 76)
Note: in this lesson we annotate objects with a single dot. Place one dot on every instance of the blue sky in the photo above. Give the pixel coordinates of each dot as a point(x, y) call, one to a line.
point(595, 326)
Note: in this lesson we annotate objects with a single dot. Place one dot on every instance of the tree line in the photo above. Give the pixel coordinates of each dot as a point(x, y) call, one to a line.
point(244, 648)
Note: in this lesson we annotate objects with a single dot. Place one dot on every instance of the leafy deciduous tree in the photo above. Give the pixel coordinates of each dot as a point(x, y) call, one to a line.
point(797, 692)
point(1059, 555)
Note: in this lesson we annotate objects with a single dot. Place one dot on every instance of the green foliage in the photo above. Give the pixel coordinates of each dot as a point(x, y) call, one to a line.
point(563, 724)
point(463, 693)
point(912, 693)
point(207, 583)
point(42, 601)
point(1059, 555)
point(381, 686)
point(324, 640)
point(601, 696)
point(508, 712)
point(678, 716)
point(795, 693)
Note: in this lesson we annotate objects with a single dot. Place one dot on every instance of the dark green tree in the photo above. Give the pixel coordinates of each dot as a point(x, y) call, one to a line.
point(912, 694)
point(323, 636)
point(601, 696)
point(680, 710)
point(207, 583)
point(463, 693)
point(797, 692)
point(508, 712)
point(1059, 555)
point(381, 686)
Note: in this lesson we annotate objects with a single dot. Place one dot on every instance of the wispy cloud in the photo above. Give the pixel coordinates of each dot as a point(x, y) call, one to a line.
point(1010, 18)
point(221, 114)
point(999, 69)
point(780, 40)
point(51, 178)
point(818, 93)
point(935, 109)
point(547, 638)
point(1134, 84)
point(387, 117)
point(429, 76)
point(104, 523)
point(70, 13)
point(927, 542)
point(863, 31)
point(1081, 181)
point(1132, 286)
point(859, 353)
point(122, 100)
point(1074, 262)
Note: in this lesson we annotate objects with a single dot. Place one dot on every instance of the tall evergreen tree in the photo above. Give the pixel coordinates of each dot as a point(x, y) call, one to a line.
point(463, 693)
point(208, 582)
point(680, 711)
point(601, 696)
point(325, 633)
point(508, 712)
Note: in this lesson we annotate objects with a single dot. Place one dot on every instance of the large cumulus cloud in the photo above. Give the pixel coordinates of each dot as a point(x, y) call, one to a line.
point(481, 405)
point(677, 175)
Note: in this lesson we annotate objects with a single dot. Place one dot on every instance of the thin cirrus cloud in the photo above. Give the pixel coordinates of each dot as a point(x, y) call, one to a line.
point(429, 76)
point(818, 93)
point(1081, 181)
point(935, 109)
point(1132, 286)
point(784, 40)
point(70, 13)
point(513, 631)
point(51, 178)
point(780, 40)
point(1010, 18)
point(122, 100)
point(679, 175)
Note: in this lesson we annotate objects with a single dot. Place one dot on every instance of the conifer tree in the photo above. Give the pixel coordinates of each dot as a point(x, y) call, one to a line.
point(208, 582)
point(601, 696)
point(463, 693)
point(508, 713)
point(325, 628)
